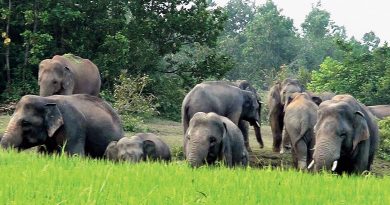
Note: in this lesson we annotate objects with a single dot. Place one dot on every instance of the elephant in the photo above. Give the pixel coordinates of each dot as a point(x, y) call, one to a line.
point(242, 124)
point(380, 111)
point(222, 99)
point(277, 102)
point(68, 74)
point(141, 146)
point(346, 136)
point(78, 124)
point(299, 120)
point(211, 137)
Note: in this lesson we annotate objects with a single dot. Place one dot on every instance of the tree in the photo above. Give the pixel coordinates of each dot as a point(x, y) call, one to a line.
point(371, 40)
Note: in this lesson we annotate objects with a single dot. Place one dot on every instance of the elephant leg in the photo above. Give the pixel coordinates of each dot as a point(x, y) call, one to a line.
point(244, 127)
point(301, 154)
point(276, 128)
point(286, 141)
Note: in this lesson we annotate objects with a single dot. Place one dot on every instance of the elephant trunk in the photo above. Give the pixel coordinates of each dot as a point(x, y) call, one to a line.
point(258, 134)
point(197, 154)
point(12, 136)
point(325, 154)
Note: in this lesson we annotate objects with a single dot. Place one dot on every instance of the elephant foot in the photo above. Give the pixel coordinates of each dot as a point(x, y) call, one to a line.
point(276, 149)
point(285, 150)
point(248, 148)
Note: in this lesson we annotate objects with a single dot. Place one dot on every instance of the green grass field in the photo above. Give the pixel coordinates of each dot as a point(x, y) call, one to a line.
point(30, 178)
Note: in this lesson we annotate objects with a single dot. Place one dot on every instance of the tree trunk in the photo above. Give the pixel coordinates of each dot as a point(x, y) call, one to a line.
point(27, 50)
point(7, 65)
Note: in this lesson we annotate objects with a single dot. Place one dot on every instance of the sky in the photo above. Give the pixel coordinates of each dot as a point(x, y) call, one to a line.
point(358, 16)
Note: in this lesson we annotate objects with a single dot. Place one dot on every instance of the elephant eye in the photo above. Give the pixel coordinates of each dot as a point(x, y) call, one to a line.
point(26, 123)
point(55, 82)
point(213, 139)
point(188, 137)
point(343, 135)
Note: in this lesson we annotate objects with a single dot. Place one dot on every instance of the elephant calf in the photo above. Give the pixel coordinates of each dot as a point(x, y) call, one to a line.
point(82, 124)
point(140, 147)
point(211, 137)
point(299, 119)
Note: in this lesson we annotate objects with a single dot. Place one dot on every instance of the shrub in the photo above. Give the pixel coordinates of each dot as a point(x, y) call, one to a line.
point(384, 144)
point(132, 103)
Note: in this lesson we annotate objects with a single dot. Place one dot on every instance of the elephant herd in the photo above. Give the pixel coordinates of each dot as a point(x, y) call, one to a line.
point(324, 131)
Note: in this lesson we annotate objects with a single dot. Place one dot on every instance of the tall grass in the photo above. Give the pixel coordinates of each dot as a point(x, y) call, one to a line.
point(29, 178)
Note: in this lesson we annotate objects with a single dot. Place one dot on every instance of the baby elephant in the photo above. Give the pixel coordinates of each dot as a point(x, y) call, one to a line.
point(139, 147)
point(212, 137)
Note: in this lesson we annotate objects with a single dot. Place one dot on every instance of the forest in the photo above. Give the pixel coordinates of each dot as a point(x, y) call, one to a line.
point(158, 50)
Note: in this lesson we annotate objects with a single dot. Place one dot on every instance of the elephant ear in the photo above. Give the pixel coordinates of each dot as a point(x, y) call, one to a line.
point(361, 129)
point(68, 81)
point(53, 118)
point(111, 151)
point(149, 149)
point(274, 100)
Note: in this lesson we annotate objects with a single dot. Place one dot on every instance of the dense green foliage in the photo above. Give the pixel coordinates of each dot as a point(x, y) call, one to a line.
point(384, 144)
point(179, 43)
point(63, 180)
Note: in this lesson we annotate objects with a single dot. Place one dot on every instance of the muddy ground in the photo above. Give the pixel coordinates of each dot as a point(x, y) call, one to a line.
point(171, 133)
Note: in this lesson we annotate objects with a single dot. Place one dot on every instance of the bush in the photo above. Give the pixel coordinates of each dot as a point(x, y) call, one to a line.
point(132, 103)
point(384, 143)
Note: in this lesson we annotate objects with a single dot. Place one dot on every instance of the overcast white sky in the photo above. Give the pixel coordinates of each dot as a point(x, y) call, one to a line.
point(358, 16)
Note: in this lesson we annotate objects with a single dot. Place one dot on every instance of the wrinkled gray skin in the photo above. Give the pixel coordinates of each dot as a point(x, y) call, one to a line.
point(68, 74)
point(380, 111)
point(222, 99)
point(140, 147)
point(211, 137)
point(242, 124)
point(346, 132)
point(299, 120)
point(277, 101)
point(84, 123)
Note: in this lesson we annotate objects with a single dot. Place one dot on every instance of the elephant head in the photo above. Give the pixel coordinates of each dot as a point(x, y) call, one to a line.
point(205, 137)
point(54, 78)
point(131, 150)
point(287, 88)
point(342, 124)
point(33, 122)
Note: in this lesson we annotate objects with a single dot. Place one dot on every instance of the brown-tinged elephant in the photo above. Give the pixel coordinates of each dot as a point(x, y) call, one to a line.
point(140, 147)
point(380, 111)
point(242, 124)
point(81, 124)
point(211, 137)
point(68, 74)
point(222, 99)
point(277, 101)
point(346, 136)
point(299, 120)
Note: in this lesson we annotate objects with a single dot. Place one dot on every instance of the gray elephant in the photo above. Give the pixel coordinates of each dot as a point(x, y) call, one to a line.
point(277, 102)
point(346, 136)
point(84, 124)
point(242, 124)
point(68, 74)
point(222, 99)
point(211, 137)
point(299, 120)
point(140, 147)
point(380, 111)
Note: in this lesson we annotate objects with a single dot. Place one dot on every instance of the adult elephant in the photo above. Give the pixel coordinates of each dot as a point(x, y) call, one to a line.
point(242, 124)
point(211, 137)
point(81, 124)
point(380, 111)
point(68, 74)
point(140, 147)
point(225, 100)
point(277, 101)
point(346, 136)
point(299, 119)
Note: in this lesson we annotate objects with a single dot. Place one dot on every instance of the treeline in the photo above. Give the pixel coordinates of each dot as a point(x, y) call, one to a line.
point(179, 43)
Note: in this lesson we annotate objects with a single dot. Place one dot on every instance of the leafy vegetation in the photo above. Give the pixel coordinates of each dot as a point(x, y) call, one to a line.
point(84, 181)
point(384, 144)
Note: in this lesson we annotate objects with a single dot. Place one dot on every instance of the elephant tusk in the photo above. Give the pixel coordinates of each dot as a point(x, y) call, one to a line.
point(334, 166)
point(310, 165)
point(258, 124)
